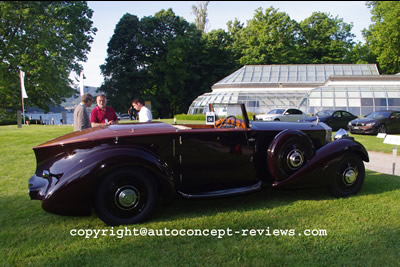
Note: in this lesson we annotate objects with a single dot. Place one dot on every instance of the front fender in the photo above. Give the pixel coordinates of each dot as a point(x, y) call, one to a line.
point(324, 160)
point(78, 174)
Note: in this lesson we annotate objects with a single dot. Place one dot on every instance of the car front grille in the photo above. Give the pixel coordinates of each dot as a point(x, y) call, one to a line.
point(358, 124)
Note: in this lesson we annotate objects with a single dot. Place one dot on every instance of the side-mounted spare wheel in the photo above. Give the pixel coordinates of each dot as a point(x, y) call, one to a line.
point(288, 152)
point(348, 177)
point(125, 196)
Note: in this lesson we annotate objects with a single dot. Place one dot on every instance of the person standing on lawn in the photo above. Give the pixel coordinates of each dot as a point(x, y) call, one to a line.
point(103, 114)
point(81, 117)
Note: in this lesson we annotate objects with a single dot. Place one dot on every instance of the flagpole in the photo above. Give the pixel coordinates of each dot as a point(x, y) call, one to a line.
point(81, 86)
point(23, 110)
point(23, 92)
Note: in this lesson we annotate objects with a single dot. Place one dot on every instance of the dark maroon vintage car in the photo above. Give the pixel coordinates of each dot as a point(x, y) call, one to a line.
point(122, 171)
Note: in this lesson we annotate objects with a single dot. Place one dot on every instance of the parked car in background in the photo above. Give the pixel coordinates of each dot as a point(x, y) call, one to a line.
point(290, 114)
point(123, 116)
point(384, 121)
point(124, 171)
point(335, 119)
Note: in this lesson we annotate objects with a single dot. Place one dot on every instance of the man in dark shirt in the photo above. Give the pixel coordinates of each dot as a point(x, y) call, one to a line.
point(103, 114)
point(81, 117)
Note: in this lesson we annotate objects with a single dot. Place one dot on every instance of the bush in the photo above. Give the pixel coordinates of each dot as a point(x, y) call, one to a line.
point(196, 117)
point(202, 117)
point(10, 119)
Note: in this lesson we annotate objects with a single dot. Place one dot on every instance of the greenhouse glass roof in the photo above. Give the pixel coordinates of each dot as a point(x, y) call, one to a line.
point(303, 73)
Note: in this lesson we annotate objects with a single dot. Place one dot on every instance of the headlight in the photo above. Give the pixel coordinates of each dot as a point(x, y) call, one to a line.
point(341, 133)
point(370, 124)
point(349, 124)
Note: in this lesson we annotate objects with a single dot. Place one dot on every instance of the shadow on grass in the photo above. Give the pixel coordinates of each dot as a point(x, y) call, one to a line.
point(179, 208)
point(267, 198)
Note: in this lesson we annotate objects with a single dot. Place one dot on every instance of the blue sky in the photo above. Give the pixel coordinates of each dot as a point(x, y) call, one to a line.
point(108, 13)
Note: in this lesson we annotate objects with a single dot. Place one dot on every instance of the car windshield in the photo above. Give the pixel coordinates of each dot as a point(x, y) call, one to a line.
point(324, 113)
point(276, 111)
point(378, 115)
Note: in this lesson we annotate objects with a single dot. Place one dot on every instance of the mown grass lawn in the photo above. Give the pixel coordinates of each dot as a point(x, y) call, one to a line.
point(363, 230)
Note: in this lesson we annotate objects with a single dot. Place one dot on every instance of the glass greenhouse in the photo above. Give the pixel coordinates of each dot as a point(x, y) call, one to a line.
point(357, 88)
point(359, 100)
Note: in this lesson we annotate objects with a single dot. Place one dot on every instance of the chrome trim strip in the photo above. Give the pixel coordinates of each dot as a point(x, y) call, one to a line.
point(226, 192)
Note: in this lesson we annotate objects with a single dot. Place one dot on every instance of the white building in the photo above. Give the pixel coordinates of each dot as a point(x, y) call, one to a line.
point(357, 88)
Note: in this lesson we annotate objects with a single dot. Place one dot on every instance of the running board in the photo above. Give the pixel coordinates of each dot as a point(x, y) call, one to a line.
point(225, 192)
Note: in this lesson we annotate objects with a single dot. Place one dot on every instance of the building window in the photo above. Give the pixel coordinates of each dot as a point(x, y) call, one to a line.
point(367, 102)
point(380, 102)
point(394, 102)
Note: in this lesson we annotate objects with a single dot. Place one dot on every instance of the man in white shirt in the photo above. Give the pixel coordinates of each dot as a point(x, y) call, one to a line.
point(144, 113)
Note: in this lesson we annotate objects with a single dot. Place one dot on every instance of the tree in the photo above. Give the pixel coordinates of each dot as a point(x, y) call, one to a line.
point(200, 11)
point(324, 39)
point(46, 40)
point(157, 58)
point(383, 36)
point(361, 54)
point(125, 65)
point(268, 38)
point(238, 44)
point(219, 58)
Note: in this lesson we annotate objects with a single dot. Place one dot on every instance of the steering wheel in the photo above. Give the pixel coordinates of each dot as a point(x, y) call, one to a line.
point(228, 122)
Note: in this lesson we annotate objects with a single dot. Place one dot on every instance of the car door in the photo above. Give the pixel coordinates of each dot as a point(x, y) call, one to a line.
point(394, 125)
point(346, 118)
point(292, 115)
point(336, 120)
point(215, 159)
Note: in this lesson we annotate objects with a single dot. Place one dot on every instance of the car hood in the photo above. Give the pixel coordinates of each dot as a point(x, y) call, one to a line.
point(363, 120)
point(268, 115)
point(111, 131)
point(314, 118)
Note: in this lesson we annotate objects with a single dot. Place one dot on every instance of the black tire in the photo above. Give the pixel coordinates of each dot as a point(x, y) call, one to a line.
point(288, 153)
point(382, 128)
point(348, 177)
point(125, 196)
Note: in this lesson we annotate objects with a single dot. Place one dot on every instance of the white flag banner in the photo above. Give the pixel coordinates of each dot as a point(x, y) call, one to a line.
point(81, 83)
point(22, 78)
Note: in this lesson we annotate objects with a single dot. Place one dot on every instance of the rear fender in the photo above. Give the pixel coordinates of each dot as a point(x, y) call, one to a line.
point(72, 192)
point(324, 160)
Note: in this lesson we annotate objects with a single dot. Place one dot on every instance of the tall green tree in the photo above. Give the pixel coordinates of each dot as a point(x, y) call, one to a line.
point(46, 40)
point(219, 57)
point(324, 39)
point(268, 38)
point(126, 63)
point(157, 58)
point(362, 54)
point(238, 44)
point(383, 35)
point(175, 68)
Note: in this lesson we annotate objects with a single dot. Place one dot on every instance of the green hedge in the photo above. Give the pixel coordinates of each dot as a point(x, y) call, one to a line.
point(197, 117)
point(7, 119)
point(202, 117)
point(8, 122)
